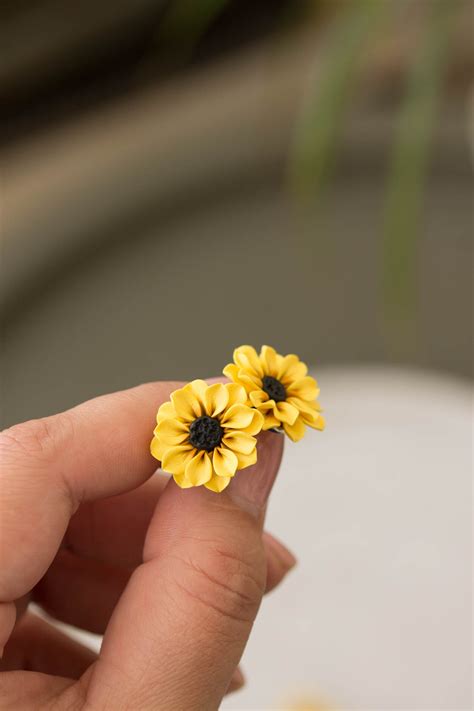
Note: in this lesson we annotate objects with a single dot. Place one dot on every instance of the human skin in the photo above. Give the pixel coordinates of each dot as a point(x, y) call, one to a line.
point(173, 578)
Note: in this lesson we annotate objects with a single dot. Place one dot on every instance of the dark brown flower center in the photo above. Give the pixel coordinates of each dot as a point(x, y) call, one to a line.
point(205, 433)
point(274, 389)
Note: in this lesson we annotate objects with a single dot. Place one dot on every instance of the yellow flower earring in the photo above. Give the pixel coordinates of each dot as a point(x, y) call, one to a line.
point(278, 387)
point(205, 433)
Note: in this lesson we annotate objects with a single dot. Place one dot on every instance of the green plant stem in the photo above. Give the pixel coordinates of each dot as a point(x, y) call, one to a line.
point(326, 106)
point(407, 178)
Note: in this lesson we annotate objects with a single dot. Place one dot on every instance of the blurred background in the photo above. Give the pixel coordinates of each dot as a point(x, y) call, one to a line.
point(180, 178)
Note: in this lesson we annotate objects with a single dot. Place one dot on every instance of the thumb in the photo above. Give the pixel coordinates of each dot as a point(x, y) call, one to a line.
point(182, 623)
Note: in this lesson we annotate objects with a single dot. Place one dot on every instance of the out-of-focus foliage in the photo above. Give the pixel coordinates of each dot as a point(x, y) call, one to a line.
point(323, 117)
point(408, 173)
point(324, 110)
point(185, 22)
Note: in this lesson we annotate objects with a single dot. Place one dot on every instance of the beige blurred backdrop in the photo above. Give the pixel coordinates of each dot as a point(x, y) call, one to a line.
point(149, 234)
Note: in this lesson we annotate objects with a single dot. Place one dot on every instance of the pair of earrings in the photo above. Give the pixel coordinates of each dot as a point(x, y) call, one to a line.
point(205, 433)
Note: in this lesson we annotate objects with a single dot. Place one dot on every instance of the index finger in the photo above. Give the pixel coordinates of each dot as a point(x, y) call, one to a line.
point(49, 466)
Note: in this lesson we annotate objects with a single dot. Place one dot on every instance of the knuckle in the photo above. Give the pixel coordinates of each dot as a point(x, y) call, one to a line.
point(37, 438)
point(228, 581)
point(33, 446)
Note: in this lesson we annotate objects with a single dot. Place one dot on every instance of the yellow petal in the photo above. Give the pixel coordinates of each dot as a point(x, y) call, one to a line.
point(241, 377)
point(237, 416)
point(286, 412)
point(166, 410)
point(270, 422)
point(218, 483)
point(306, 389)
point(176, 458)
point(224, 462)
point(269, 359)
point(291, 368)
point(246, 357)
point(157, 448)
point(237, 393)
point(181, 481)
point(199, 388)
point(318, 423)
point(239, 441)
point(310, 412)
point(309, 407)
point(246, 460)
point(186, 403)
point(216, 398)
point(296, 431)
point(257, 397)
point(255, 425)
point(199, 469)
point(267, 406)
point(231, 371)
point(249, 381)
point(171, 431)
point(270, 408)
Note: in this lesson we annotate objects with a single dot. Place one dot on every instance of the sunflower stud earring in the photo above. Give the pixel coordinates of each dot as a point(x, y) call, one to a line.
point(278, 387)
point(206, 433)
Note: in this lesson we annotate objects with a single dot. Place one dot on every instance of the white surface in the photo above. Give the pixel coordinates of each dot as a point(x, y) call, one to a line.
point(378, 508)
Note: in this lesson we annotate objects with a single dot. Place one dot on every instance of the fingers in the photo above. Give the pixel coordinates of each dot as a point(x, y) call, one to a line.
point(81, 592)
point(279, 561)
point(49, 466)
point(84, 592)
point(28, 690)
point(8, 614)
point(100, 449)
point(112, 530)
point(38, 646)
point(54, 660)
point(237, 681)
point(179, 629)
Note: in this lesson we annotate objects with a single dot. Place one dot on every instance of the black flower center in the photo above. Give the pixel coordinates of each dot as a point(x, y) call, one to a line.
point(274, 389)
point(205, 433)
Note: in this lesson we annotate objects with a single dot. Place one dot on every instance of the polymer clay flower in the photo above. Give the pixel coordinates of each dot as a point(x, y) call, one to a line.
point(279, 387)
point(205, 434)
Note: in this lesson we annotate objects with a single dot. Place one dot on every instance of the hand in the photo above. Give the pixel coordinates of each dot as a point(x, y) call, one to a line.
point(173, 578)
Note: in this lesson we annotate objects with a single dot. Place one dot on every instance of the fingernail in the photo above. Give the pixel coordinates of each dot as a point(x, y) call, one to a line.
point(284, 555)
point(251, 487)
